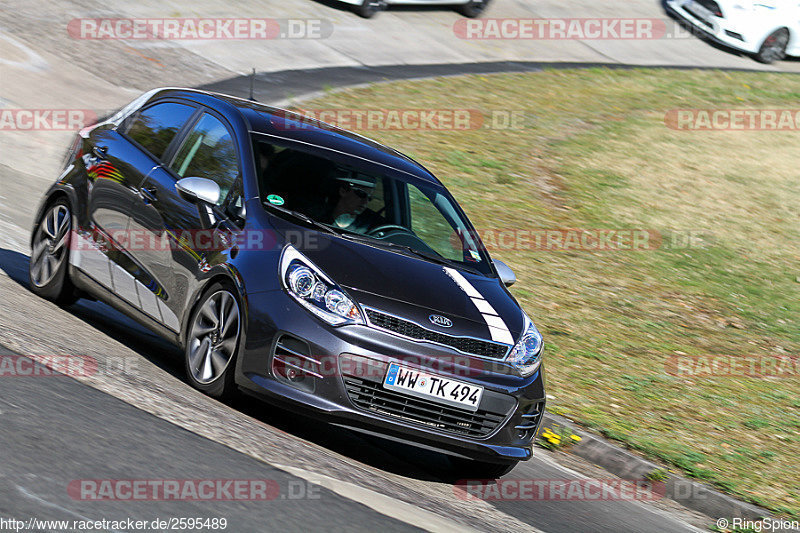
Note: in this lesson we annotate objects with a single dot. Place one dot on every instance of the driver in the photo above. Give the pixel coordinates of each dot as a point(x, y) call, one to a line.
point(348, 206)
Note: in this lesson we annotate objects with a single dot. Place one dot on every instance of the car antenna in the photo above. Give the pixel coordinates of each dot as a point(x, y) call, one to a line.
point(252, 80)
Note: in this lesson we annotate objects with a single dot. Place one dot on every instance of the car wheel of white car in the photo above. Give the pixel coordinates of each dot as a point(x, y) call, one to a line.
point(774, 47)
point(474, 8)
point(369, 8)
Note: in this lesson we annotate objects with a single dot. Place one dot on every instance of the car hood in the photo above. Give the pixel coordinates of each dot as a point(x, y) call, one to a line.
point(414, 289)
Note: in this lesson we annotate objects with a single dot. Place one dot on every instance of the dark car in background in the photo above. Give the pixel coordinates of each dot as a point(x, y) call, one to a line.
point(299, 263)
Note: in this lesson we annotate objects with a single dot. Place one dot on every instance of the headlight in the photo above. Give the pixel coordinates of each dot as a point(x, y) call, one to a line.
point(317, 292)
point(527, 353)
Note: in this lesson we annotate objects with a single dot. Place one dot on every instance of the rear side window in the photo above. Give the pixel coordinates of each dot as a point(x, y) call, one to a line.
point(155, 127)
point(208, 152)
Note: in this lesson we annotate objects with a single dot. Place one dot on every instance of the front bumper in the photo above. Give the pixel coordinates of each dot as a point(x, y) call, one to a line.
point(725, 31)
point(346, 387)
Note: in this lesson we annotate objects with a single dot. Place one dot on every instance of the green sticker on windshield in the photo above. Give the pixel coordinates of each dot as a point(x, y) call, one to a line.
point(274, 199)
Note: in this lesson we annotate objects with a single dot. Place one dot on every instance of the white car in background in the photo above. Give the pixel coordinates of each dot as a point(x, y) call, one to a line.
point(767, 29)
point(368, 8)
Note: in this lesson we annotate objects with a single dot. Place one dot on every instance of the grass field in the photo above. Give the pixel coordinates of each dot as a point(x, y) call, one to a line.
point(595, 152)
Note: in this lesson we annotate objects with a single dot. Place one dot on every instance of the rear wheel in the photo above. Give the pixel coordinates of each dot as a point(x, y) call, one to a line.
point(212, 342)
point(474, 8)
point(47, 271)
point(774, 47)
point(470, 469)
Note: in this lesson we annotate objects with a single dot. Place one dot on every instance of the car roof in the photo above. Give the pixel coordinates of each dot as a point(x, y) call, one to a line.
point(286, 124)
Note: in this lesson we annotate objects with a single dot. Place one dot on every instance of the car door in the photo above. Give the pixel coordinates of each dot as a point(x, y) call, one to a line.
point(194, 231)
point(117, 160)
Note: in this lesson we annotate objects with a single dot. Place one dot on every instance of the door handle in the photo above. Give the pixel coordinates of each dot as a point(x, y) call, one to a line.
point(148, 194)
point(100, 151)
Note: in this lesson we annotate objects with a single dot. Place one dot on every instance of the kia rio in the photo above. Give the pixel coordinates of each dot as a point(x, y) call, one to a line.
point(299, 263)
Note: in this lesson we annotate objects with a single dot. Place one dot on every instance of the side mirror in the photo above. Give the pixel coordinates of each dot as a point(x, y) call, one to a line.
point(507, 275)
point(199, 190)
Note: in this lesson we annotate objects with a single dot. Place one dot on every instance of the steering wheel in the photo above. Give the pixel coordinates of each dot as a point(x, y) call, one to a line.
point(384, 229)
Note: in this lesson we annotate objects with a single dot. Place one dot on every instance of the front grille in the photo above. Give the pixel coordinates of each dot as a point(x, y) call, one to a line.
point(414, 331)
point(711, 5)
point(371, 395)
point(735, 35)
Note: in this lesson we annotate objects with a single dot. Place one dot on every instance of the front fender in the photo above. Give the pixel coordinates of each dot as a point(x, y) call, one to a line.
point(58, 189)
point(225, 273)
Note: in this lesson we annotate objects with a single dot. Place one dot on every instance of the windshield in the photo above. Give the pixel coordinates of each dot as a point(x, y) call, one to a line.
point(363, 202)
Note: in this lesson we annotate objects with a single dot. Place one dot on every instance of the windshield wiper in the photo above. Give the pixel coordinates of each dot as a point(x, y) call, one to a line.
point(304, 218)
point(435, 258)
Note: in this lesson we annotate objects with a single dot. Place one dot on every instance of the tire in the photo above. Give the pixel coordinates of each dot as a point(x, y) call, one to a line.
point(470, 469)
point(369, 8)
point(212, 342)
point(474, 8)
point(47, 270)
point(774, 47)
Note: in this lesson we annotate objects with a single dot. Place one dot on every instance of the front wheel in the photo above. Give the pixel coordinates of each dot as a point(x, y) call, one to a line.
point(473, 8)
point(470, 469)
point(47, 271)
point(369, 8)
point(212, 342)
point(774, 47)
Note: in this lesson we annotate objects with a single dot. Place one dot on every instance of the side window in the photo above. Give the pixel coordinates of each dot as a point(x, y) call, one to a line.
point(378, 201)
point(432, 227)
point(208, 152)
point(155, 127)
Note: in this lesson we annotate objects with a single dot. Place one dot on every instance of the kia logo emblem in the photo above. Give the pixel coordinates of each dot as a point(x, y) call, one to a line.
point(439, 320)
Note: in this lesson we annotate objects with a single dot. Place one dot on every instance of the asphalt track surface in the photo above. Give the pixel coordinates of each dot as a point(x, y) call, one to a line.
point(61, 430)
point(137, 418)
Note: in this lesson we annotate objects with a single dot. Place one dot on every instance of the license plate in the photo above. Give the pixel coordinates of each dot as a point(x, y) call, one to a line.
point(432, 387)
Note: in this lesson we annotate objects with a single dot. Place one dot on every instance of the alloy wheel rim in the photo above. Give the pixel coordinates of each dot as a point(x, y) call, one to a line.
point(214, 336)
point(50, 246)
point(776, 44)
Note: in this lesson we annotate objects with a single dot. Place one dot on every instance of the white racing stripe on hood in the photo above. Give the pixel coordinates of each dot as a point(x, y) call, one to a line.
point(497, 326)
point(484, 306)
point(462, 282)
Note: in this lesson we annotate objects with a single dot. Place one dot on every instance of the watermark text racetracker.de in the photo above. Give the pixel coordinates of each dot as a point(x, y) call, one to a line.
point(566, 490)
point(585, 239)
point(749, 366)
point(550, 29)
point(118, 524)
point(228, 490)
point(733, 119)
point(421, 119)
point(203, 29)
point(76, 366)
point(45, 119)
